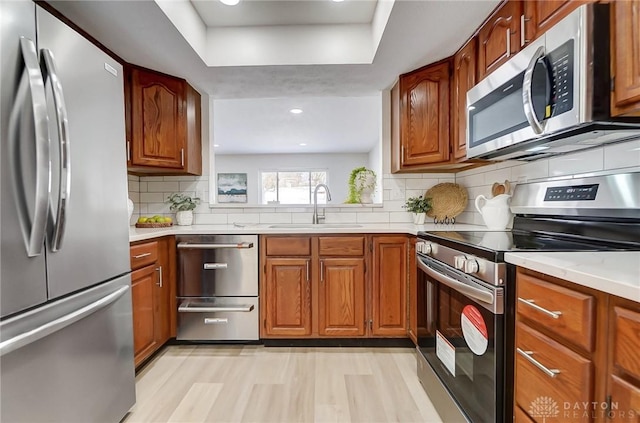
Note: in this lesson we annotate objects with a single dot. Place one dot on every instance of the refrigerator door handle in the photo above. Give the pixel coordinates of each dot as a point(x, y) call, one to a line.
point(47, 329)
point(33, 228)
point(62, 123)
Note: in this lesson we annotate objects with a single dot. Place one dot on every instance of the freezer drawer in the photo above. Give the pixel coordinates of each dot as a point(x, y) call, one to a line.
point(218, 319)
point(70, 360)
point(217, 265)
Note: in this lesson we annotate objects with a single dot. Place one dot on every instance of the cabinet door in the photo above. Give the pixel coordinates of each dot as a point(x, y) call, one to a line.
point(158, 123)
point(389, 286)
point(143, 284)
point(625, 397)
point(464, 78)
point(164, 292)
point(412, 286)
point(425, 115)
point(626, 51)
point(540, 15)
point(341, 310)
point(499, 38)
point(288, 297)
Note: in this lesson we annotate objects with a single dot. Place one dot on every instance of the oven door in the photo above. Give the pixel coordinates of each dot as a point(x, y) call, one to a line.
point(461, 336)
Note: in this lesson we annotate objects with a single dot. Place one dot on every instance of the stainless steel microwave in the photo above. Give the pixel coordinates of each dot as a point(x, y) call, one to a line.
point(553, 97)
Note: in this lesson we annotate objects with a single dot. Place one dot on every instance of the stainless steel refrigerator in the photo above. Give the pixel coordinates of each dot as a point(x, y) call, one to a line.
point(66, 339)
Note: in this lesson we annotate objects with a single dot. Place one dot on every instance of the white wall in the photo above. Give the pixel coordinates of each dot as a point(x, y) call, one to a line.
point(338, 166)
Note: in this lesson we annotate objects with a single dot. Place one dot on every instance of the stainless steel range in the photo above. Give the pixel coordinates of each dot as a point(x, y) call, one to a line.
point(466, 292)
point(218, 288)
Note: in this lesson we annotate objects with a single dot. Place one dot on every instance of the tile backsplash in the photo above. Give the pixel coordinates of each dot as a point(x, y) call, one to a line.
point(150, 193)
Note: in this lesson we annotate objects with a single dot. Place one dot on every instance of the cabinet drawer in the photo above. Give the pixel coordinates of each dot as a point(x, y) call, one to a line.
point(220, 319)
point(143, 254)
point(288, 246)
point(568, 313)
point(341, 246)
point(571, 381)
point(627, 340)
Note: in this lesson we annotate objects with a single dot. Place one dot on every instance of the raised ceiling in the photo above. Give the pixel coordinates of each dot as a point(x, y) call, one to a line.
point(279, 51)
point(270, 13)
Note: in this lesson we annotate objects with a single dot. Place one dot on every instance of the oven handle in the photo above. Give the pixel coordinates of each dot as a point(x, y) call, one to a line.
point(243, 308)
point(187, 245)
point(475, 293)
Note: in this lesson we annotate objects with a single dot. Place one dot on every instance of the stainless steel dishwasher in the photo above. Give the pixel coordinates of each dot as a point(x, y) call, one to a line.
point(218, 288)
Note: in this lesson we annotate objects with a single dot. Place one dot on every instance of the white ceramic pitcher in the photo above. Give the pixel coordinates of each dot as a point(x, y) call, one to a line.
point(495, 211)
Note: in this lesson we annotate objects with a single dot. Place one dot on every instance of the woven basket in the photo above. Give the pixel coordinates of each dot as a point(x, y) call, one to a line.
point(448, 200)
point(153, 225)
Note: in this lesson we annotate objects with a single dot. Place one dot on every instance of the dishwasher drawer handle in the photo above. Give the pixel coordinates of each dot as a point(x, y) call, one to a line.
point(243, 308)
point(214, 266)
point(532, 304)
point(547, 371)
point(190, 246)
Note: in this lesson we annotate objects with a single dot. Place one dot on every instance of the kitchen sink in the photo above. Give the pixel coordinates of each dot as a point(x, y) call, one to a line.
point(315, 226)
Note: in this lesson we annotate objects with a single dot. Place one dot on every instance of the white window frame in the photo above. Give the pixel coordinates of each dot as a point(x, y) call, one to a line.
point(288, 170)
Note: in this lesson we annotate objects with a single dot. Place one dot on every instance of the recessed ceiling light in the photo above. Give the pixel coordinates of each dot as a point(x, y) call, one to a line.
point(230, 2)
point(338, 1)
point(302, 144)
point(295, 111)
point(216, 145)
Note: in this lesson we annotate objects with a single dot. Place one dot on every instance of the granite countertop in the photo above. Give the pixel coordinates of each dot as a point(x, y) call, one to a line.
point(613, 272)
point(136, 234)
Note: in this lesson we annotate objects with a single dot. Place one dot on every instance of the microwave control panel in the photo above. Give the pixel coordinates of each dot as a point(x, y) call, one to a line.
point(561, 68)
point(572, 193)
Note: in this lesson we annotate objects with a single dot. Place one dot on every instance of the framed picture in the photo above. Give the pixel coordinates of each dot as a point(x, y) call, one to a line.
point(232, 187)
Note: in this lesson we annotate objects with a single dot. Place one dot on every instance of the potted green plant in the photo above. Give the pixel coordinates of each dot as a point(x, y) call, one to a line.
point(419, 206)
point(183, 205)
point(362, 183)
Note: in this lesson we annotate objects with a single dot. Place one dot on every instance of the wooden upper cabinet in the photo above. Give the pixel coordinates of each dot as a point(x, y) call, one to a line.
point(464, 78)
point(390, 271)
point(625, 20)
point(424, 106)
point(288, 297)
point(164, 120)
point(499, 38)
point(540, 15)
point(341, 297)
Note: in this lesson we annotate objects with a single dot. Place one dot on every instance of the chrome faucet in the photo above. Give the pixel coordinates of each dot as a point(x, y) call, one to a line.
point(316, 219)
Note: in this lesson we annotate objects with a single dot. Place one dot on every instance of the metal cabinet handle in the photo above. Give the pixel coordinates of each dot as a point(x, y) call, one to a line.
point(532, 304)
point(547, 371)
point(33, 228)
point(62, 122)
point(187, 245)
point(523, 22)
point(508, 42)
point(128, 151)
point(243, 308)
point(182, 157)
point(214, 266)
point(139, 256)
point(159, 270)
point(527, 98)
point(321, 270)
point(307, 265)
point(47, 329)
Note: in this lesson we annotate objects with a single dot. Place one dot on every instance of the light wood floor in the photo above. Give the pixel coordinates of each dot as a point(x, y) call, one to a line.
point(254, 383)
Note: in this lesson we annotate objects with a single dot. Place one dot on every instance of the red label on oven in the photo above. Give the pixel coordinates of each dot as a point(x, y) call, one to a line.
point(474, 330)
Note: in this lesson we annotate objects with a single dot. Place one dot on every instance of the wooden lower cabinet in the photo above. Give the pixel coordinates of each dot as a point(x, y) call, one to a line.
point(389, 287)
point(623, 367)
point(321, 287)
point(143, 283)
point(287, 297)
point(582, 365)
point(153, 295)
point(341, 305)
